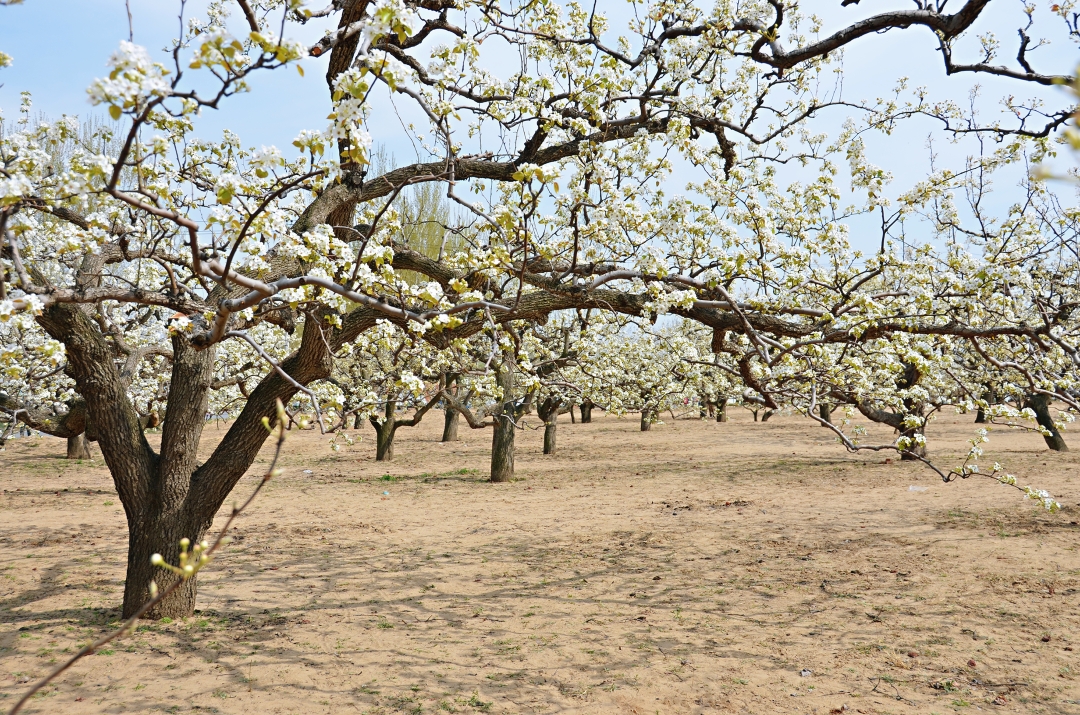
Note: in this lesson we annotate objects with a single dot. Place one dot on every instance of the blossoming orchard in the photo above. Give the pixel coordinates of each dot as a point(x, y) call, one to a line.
point(539, 217)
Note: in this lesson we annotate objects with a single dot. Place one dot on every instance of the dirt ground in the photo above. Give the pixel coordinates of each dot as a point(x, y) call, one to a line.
point(697, 568)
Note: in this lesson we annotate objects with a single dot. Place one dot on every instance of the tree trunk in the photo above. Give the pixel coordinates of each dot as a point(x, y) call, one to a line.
point(384, 433)
point(646, 423)
point(912, 454)
point(980, 416)
point(825, 412)
point(160, 536)
point(586, 412)
point(450, 424)
point(357, 421)
point(78, 447)
point(549, 434)
point(721, 410)
point(1041, 405)
point(502, 439)
point(572, 420)
point(768, 413)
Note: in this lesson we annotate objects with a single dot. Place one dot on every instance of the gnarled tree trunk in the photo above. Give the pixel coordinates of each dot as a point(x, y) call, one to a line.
point(1040, 404)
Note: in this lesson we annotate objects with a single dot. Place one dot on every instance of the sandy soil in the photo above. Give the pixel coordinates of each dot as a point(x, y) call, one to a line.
point(698, 568)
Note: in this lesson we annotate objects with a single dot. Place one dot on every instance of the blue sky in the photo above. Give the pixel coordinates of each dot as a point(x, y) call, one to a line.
point(60, 46)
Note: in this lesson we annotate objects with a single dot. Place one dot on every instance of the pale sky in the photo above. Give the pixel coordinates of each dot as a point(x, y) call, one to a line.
point(60, 46)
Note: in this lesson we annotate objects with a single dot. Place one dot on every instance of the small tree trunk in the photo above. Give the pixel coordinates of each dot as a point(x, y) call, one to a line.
point(384, 433)
point(913, 453)
point(721, 410)
point(78, 447)
point(1041, 405)
point(825, 412)
point(586, 412)
point(980, 416)
point(549, 434)
point(357, 421)
point(384, 443)
point(755, 414)
point(572, 420)
point(502, 441)
point(450, 424)
point(646, 423)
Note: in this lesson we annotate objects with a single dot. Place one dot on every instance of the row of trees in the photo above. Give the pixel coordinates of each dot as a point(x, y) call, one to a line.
point(604, 173)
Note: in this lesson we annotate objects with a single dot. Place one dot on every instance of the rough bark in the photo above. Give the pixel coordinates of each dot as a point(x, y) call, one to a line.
point(1040, 404)
point(646, 421)
point(502, 439)
point(78, 447)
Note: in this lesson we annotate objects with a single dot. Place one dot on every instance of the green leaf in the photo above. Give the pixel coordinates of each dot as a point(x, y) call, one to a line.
point(114, 112)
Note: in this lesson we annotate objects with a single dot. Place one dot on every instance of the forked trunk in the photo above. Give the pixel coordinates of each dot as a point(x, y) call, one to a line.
point(78, 447)
point(450, 424)
point(1041, 405)
point(502, 439)
point(721, 410)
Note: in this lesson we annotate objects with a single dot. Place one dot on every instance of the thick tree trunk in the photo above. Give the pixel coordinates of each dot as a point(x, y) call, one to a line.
point(980, 416)
point(160, 536)
point(586, 412)
point(646, 422)
point(502, 441)
point(1041, 405)
point(825, 412)
point(721, 410)
point(78, 447)
point(768, 413)
point(451, 418)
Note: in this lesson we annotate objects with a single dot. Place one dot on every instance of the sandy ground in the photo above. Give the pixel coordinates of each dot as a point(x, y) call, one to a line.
point(698, 568)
